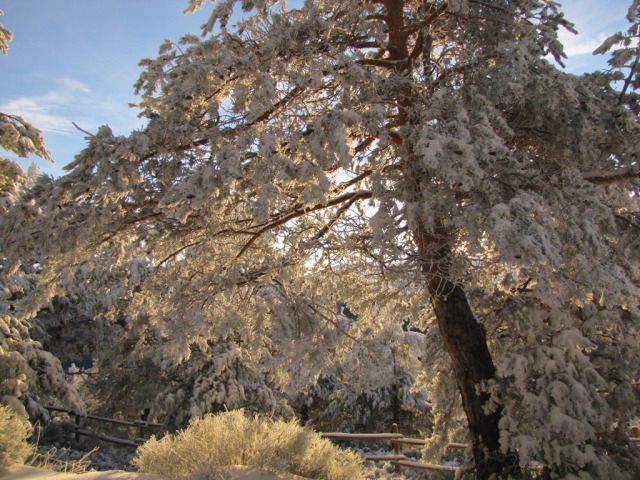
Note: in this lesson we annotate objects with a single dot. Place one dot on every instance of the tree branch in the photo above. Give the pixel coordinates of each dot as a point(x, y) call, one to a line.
point(629, 78)
point(627, 221)
point(283, 101)
point(419, 46)
point(615, 176)
point(332, 222)
point(176, 253)
point(83, 131)
point(388, 64)
point(300, 211)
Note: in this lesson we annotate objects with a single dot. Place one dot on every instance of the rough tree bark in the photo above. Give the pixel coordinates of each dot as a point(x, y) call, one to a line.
point(465, 341)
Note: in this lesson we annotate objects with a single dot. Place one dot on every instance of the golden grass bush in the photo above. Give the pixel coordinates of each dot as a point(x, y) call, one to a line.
point(231, 438)
point(14, 432)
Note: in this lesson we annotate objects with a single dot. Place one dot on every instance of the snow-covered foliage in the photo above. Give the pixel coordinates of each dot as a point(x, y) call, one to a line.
point(5, 37)
point(26, 369)
point(21, 138)
point(390, 156)
point(624, 58)
point(221, 378)
point(29, 375)
point(85, 325)
point(373, 387)
point(11, 178)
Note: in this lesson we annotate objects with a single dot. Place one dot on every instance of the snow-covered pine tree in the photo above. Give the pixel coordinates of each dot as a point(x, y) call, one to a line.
point(27, 371)
point(29, 374)
point(373, 387)
point(392, 155)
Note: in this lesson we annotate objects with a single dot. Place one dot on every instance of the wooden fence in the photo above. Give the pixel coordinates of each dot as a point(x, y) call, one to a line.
point(143, 428)
point(399, 460)
point(397, 440)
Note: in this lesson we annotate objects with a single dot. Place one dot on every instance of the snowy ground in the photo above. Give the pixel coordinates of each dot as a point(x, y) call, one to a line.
point(32, 473)
point(114, 463)
point(105, 457)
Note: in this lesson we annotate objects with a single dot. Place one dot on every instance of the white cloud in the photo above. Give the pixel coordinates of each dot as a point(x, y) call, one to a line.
point(595, 21)
point(35, 112)
point(72, 84)
point(53, 111)
point(580, 44)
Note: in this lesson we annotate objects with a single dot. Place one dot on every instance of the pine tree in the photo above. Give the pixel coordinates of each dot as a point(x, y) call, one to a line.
point(27, 371)
point(397, 156)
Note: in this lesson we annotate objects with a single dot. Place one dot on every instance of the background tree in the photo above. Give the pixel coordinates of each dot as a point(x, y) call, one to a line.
point(27, 371)
point(392, 155)
point(373, 387)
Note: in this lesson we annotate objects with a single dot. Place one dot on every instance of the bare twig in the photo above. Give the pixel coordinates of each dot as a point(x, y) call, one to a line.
point(82, 130)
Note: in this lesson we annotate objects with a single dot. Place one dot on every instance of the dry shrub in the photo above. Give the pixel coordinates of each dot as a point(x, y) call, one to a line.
point(231, 438)
point(14, 432)
point(54, 460)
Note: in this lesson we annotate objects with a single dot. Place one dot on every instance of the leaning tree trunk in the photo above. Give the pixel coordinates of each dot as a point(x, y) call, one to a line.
point(463, 336)
point(466, 343)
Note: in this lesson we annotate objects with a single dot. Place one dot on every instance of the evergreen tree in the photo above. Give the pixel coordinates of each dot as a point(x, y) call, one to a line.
point(392, 155)
point(27, 371)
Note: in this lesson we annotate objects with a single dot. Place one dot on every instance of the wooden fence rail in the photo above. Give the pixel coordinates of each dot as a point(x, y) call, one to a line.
point(397, 440)
point(143, 427)
point(398, 459)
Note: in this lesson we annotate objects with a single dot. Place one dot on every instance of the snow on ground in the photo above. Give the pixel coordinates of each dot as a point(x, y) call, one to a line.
point(32, 473)
point(114, 463)
point(104, 457)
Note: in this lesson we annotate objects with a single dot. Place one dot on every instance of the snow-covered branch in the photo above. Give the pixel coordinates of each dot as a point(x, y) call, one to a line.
point(614, 176)
point(285, 217)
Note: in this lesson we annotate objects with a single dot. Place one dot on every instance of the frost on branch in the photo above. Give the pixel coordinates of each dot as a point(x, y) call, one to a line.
point(326, 155)
point(551, 383)
point(5, 37)
point(21, 138)
point(29, 375)
point(624, 60)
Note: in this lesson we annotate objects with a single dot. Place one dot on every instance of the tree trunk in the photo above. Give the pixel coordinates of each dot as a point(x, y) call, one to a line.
point(466, 343)
point(463, 335)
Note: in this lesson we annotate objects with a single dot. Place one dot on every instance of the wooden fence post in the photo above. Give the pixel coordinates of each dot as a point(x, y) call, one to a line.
point(78, 421)
point(142, 428)
point(396, 445)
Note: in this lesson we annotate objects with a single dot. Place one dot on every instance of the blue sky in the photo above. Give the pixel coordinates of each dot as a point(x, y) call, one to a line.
point(76, 60)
